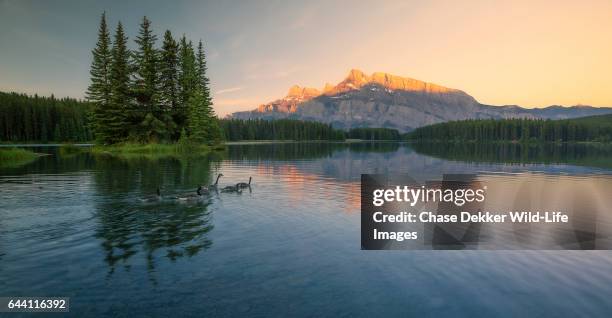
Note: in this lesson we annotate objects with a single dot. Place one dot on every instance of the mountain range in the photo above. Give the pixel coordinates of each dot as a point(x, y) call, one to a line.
point(390, 101)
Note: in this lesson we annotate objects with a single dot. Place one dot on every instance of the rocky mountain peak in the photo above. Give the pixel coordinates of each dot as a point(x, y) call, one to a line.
point(288, 104)
point(407, 84)
point(302, 93)
point(356, 77)
point(328, 88)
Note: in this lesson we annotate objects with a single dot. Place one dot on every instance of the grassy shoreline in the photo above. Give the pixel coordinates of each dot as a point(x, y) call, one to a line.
point(48, 143)
point(154, 149)
point(14, 157)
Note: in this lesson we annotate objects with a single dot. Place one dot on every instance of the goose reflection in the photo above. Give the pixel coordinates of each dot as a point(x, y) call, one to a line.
point(161, 232)
point(167, 230)
point(152, 198)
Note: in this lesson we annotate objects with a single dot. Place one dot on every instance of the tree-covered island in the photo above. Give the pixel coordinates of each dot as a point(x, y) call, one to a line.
point(151, 95)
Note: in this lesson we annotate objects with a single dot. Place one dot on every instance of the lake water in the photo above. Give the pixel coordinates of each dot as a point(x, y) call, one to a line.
point(73, 225)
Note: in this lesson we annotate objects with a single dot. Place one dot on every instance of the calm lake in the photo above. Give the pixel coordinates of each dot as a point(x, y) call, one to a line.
point(74, 225)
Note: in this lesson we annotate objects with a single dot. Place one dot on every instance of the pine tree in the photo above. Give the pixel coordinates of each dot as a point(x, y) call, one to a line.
point(145, 79)
point(198, 118)
point(168, 71)
point(213, 131)
point(202, 80)
point(117, 123)
point(187, 81)
point(99, 90)
point(57, 134)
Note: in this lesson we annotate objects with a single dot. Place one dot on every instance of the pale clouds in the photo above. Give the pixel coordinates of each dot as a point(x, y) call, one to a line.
point(229, 90)
point(236, 102)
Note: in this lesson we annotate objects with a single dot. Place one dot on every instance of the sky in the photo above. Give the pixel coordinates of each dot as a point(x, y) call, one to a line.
point(528, 53)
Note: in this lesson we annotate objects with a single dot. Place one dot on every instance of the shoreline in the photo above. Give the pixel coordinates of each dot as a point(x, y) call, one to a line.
point(15, 157)
point(347, 141)
point(227, 143)
point(25, 145)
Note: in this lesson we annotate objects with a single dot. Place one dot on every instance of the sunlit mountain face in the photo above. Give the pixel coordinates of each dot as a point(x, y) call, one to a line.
point(391, 101)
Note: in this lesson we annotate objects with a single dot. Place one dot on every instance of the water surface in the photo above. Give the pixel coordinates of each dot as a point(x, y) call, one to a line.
point(75, 226)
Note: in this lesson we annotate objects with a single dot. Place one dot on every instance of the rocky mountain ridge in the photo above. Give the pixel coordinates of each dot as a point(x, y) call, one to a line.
point(390, 101)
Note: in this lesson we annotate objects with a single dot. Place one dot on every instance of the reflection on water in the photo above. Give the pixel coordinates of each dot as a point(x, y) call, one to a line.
point(593, 155)
point(128, 227)
point(178, 230)
point(302, 151)
point(74, 226)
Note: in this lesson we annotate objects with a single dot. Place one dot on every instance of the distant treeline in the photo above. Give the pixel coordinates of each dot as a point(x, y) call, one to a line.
point(373, 134)
point(282, 129)
point(26, 118)
point(291, 129)
point(594, 128)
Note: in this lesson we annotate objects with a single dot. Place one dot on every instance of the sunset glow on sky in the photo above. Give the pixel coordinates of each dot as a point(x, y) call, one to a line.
point(530, 53)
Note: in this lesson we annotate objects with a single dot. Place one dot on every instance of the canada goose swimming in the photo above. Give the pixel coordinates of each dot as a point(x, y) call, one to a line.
point(233, 188)
point(204, 190)
point(152, 198)
point(244, 185)
point(214, 186)
point(191, 196)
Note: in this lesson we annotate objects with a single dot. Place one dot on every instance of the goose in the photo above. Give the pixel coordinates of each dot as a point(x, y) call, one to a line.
point(191, 196)
point(214, 186)
point(230, 188)
point(244, 185)
point(152, 198)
